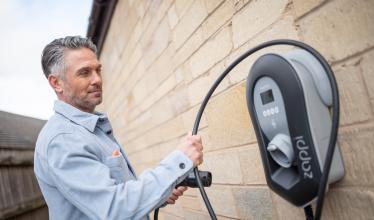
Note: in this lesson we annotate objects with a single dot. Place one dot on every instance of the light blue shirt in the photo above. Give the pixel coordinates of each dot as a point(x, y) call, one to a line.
point(80, 179)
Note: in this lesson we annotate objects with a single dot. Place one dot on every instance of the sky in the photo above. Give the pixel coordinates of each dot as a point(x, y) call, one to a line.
point(26, 27)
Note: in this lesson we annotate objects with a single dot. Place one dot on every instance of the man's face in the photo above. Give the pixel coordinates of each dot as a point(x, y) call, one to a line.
point(82, 84)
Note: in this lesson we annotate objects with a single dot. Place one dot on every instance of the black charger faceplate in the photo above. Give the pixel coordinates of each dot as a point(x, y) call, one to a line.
point(290, 183)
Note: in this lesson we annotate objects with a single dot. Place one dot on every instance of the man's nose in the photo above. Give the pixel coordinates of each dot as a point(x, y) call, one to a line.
point(96, 78)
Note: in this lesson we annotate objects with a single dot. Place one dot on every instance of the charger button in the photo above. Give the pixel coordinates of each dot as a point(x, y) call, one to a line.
point(182, 165)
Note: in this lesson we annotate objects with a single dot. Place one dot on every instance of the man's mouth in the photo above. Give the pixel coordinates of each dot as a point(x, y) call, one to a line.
point(96, 92)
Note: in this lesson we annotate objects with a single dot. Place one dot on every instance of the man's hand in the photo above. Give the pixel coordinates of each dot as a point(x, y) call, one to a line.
point(176, 193)
point(192, 147)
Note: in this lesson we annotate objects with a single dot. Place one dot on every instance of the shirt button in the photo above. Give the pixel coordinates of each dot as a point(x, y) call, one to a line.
point(182, 166)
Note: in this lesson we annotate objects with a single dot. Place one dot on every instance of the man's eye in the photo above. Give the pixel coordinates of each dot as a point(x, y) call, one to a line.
point(84, 72)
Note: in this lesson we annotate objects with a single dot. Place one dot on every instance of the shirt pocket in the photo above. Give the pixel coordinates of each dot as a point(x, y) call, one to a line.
point(119, 170)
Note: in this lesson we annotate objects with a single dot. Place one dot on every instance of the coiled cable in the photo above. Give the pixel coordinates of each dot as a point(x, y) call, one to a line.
point(334, 128)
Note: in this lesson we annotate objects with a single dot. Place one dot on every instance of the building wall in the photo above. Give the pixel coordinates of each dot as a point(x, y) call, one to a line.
point(160, 58)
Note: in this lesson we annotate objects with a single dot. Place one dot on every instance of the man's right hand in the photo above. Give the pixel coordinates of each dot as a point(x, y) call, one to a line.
point(192, 147)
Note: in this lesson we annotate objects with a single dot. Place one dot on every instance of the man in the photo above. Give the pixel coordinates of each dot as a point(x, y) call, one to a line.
point(81, 169)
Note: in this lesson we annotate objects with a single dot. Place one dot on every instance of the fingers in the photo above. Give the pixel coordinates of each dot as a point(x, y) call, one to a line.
point(182, 188)
point(170, 201)
point(194, 138)
point(175, 194)
point(195, 141)
point(179, 191)
point(173, 197)
point(192, 147)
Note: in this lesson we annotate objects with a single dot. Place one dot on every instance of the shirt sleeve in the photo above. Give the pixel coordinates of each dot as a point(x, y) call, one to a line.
point(85, 181)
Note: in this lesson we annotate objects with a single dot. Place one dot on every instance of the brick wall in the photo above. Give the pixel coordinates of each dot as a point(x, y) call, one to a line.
point(160, 58)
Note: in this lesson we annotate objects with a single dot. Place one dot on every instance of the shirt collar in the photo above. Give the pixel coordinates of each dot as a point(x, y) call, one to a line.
point(85, 119)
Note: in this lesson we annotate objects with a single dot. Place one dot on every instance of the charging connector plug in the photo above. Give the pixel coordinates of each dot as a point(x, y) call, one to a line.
point(191, 181)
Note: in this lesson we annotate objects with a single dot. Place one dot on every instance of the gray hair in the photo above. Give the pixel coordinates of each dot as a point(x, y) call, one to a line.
point(53, 53)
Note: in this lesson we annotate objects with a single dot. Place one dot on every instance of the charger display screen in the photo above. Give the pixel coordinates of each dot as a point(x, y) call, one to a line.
point(267, 97)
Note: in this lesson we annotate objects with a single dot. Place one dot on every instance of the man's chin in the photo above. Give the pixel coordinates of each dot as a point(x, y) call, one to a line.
point(98, 101)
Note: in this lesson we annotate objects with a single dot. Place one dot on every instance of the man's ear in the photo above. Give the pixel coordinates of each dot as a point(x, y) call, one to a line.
point(55, 82)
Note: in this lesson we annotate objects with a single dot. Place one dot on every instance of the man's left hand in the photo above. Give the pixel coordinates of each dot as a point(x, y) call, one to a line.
point(175, 194)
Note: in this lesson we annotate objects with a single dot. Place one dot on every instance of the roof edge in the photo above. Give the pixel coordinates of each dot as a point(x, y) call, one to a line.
point(99, 22)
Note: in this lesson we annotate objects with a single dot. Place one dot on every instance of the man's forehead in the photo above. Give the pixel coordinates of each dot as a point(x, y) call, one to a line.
point(80, 57)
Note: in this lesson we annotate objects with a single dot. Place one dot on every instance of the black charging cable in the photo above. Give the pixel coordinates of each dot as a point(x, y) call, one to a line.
point(334, 128)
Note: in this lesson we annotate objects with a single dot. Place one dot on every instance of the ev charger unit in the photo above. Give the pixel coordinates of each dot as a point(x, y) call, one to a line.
point(288, 97)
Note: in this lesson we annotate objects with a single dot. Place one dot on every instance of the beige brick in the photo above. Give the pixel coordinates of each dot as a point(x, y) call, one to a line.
point(156, 75)
point(124, 87)
point(146, 19)
point(222, 199)
point(349, 203)
point(282, 29)
point(228, 119)
point(122, 10)
point(340, 28)
point(198, 89)
point(155, 95)
point(151, 21)
point(285, 210)
point(162, 111)
point(145, 156)
point(239, 4)
point(355, 105)
point(190, 203)
point(128, 22)
point(140, 8)
point(194, 192)
point(165, 148)
point(203, 132)
point(166, 131)
point(188, 48)
point(176, 127)
point(189, 118)
point(172, 129)
point(179, 75)
point(188, 23)
point(212, 4)
point(368, 72)
point(211, 53)
point(182, 6)
point(173, 16)
point(253, 202)
point(159, 41)
point(251, 165)
point(175, 210)
point(133, 145)
point(218, 17)
point(179, 100)
point(131, 130)
point(129, 59)
point(140, 91)
point(302, 7)
point(166, 216)
point(256, 16)
point(195, 215)
point(225, 165)
point(356, 145)
point(130, 65)
point(112, 55)
point(160, 69)
point(141, 143)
